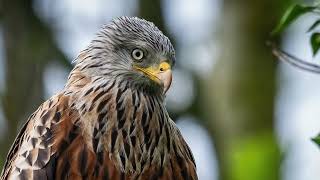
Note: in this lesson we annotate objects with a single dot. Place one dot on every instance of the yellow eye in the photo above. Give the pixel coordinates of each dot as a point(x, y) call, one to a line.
point(137, 54)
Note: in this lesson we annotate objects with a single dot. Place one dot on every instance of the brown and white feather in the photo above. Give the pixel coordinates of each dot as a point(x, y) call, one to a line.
point(100, 127)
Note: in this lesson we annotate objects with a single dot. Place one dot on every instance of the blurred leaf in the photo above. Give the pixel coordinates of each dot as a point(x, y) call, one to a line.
point(251, 155)
point(291, 14)
point(317, 140)
point(314, 25)
point(315, 42)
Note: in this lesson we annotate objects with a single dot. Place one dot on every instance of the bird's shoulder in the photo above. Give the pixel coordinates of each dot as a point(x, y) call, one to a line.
point(40, 138)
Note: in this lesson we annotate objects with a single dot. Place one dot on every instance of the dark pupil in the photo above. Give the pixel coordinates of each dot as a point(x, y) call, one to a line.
point(138, 54)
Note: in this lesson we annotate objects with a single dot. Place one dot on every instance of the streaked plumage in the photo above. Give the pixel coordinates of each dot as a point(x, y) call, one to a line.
point(110, 121)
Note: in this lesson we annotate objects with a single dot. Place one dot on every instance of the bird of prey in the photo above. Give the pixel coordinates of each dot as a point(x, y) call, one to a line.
point(110, 120)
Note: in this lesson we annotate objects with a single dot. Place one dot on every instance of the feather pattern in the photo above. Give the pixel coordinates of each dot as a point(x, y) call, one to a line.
point(100, 127)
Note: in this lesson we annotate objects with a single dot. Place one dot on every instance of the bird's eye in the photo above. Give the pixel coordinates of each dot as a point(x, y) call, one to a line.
point(137, 54)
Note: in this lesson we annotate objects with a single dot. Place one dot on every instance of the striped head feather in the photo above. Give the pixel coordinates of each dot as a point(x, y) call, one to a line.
point(110, 54)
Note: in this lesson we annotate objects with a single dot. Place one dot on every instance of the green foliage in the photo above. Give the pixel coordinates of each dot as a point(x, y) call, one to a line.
point(314, 25)
point(292, 14)
point(250, 155)
point(315, 42)
point(317, 140)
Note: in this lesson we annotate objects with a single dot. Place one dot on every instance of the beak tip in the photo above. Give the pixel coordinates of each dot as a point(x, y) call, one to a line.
point(166, 79)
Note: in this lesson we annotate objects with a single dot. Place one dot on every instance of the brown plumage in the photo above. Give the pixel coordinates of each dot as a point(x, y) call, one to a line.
point(110, 121)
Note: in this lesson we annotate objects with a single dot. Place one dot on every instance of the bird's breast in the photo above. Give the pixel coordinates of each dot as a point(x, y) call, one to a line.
point(129, 132)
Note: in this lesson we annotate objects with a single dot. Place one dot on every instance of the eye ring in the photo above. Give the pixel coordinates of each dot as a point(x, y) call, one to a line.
point(137, 54)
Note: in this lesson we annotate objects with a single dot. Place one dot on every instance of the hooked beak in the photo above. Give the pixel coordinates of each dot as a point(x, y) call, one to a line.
point(161, 74)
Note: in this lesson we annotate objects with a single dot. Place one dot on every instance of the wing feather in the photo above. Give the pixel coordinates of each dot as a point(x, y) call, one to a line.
point(34, 151)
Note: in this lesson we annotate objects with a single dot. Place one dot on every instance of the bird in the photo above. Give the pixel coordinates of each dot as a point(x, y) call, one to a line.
point(110, 120)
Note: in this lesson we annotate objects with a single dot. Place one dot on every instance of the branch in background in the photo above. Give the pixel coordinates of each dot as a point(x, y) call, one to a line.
point(292, 14)
point(292, 60)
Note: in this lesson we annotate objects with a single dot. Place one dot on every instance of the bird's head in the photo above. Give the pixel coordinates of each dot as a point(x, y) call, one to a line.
point(130, 49)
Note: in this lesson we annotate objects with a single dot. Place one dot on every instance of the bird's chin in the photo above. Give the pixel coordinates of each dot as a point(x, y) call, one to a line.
point(148, 85)
point(142, 82)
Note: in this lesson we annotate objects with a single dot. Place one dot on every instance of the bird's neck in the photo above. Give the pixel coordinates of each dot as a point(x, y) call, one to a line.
point(131, 125)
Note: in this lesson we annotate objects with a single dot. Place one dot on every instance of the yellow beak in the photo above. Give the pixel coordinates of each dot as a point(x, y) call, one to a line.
point(161, 74)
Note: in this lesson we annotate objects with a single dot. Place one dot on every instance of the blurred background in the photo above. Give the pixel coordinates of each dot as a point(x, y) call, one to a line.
point(245, 115)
